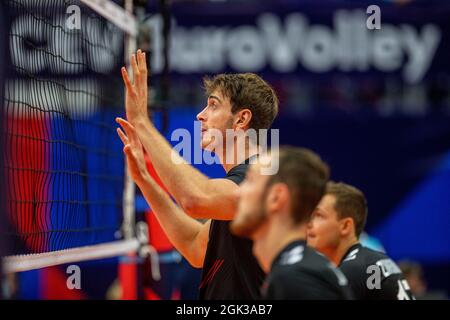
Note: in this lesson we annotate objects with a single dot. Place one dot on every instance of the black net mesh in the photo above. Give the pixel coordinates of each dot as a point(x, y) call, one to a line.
point(62, 161)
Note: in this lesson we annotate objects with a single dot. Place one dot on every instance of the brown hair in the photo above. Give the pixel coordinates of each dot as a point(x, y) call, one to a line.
point(306, 176)
point(350, 203)
point(246, 90)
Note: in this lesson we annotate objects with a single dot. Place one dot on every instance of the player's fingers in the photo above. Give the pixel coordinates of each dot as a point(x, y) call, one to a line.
point(135, 68)
point(138, 58)
point(142, 72)
point(127, 151)
point(122, 136)
point(129, 154)
point(126, 79)
point(125, 124)
point(128, 127)
point(142, 63)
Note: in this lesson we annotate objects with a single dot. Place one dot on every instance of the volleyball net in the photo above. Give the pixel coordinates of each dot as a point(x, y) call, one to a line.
point(66, 193)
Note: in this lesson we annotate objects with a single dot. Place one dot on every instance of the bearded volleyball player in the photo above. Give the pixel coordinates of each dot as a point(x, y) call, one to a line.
point(274, 211)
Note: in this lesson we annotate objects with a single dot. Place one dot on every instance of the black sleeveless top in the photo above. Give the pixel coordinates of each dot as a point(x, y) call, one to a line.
point(230, 271)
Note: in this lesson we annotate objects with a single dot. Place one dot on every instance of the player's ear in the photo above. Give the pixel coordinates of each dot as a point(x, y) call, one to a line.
point(277, 197)
point(243, 119)
point(347, 226)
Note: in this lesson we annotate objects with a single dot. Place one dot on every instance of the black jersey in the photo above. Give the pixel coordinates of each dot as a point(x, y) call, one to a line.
point(373, 275)
point(230, 270)
point(301, 273)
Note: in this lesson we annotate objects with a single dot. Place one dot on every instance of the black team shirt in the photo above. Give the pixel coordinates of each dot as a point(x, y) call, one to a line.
point(230, 270)
point(301, 273)
point(373, 275)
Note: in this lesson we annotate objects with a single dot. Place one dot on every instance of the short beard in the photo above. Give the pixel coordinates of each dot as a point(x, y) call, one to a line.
point(252, 223)
point(248, 227)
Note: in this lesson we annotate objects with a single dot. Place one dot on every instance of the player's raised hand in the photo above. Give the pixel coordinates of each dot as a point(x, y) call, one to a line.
point(133, 151)
point(136, 90)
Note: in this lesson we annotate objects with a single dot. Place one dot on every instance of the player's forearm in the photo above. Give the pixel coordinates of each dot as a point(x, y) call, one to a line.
point(182, 180)
point(181, 229)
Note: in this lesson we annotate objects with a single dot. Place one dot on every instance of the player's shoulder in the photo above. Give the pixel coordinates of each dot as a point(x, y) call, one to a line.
point(302, 272)
point(315, 260)
point(237, 173)
point(361, 261)
point(291, 260)
point(303, 261)
point(291, 256)
point(359, 256)
point(293, 275)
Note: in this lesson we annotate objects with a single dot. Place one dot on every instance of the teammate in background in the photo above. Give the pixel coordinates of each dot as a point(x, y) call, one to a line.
point(236, 102)
point(334, 230)
point(414, 274)
point(274, 211)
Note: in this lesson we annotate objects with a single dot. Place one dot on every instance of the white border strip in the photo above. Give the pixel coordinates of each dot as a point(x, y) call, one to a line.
point(27, 262)
point(114, 13)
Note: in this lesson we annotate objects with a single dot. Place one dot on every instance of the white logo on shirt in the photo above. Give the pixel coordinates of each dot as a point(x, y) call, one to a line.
point(351, 255)
point(292, 256)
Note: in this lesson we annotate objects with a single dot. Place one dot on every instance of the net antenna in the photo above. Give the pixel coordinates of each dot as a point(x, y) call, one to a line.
point(127, 23)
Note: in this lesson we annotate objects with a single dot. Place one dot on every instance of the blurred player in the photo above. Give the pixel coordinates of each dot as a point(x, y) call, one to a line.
point(334, 230)
point(274, 211)
point(236, 102)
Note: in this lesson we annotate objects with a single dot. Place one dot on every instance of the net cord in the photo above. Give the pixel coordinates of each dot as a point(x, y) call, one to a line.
point(28, 262)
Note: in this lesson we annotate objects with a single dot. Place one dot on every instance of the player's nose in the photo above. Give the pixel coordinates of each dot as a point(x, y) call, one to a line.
point(201, 116)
